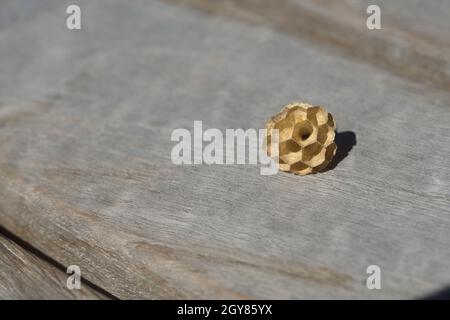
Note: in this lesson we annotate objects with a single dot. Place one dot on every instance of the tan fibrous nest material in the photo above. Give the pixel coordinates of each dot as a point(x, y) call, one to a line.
point(306, 138)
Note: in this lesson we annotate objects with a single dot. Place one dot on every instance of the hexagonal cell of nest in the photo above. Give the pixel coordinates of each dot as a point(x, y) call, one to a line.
point(306, 138)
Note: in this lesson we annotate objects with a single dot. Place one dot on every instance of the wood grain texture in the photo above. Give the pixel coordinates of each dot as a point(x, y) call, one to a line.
point(86, 176)
point(412, 43)
point(23, 275)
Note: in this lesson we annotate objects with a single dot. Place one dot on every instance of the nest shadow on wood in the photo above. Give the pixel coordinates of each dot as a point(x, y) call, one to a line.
point(345, 141)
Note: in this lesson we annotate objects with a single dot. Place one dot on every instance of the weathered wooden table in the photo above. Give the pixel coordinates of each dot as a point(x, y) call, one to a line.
point(86, 177)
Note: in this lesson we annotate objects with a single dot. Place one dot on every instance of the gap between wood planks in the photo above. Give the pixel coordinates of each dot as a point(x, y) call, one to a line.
point(39, 254)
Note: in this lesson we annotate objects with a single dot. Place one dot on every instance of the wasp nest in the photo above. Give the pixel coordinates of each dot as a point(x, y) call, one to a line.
point(306, 138)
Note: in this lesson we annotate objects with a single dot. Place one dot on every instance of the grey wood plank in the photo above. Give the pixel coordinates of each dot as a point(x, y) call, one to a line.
point(23, 275)
point(86, 175)
point(412, 43)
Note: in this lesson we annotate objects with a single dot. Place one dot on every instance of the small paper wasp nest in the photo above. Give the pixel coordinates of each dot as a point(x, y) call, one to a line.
point(306, 138)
